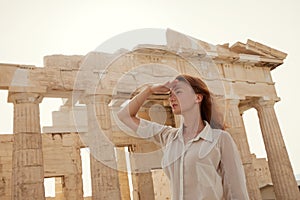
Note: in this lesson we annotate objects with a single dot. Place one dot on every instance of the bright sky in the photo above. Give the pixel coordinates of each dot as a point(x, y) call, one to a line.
point(32, 29)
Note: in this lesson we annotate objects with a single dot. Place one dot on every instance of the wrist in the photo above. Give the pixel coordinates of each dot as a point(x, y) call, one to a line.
point(148, 89)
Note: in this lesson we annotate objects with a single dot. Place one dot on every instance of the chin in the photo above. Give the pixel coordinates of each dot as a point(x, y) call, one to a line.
point(176, 112)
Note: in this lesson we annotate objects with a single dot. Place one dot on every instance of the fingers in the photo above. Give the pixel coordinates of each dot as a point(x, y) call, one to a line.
point(160, 88)
point(164, 88)
point(171, 84)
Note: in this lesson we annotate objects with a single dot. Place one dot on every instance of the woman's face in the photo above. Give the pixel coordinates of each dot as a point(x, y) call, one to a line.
point(182, 98)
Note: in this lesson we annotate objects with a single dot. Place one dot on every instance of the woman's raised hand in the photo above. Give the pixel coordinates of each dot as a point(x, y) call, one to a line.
point(163, 88)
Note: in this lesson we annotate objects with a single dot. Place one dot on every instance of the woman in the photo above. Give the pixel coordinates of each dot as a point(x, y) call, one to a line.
point(200, 159)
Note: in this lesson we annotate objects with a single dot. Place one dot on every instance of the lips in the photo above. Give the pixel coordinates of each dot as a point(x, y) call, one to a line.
point(174, 105)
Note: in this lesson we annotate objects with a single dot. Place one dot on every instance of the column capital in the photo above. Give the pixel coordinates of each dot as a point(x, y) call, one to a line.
point(24, 97)
point(262, 103)
point(230, 103)
point(233, 101)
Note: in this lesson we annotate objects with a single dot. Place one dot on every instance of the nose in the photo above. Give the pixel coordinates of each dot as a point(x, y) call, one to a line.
point(172, 97)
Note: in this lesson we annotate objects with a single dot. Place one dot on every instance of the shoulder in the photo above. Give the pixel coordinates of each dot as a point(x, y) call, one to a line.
point(221, 133)
point(222, 136)
point(226, 141)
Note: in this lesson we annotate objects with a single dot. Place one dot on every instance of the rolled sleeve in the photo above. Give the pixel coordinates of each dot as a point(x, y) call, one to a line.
point(153, 131)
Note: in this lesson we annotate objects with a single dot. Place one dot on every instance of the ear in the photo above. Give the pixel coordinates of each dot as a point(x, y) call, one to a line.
point(199, 98)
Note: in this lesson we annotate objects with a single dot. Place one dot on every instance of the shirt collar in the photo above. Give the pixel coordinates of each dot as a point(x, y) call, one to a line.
point(206, 133)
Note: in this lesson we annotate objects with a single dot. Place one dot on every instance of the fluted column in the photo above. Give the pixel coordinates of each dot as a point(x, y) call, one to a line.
point(73, 185)
point(104, 174)
point(27, 159)
point(2, 183)
point(283, 179)
point(59, 193)
point(123, 173)
point(142, 181)
point(236, 128)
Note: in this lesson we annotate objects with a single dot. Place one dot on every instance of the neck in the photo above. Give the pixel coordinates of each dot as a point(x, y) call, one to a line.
point(193, 122)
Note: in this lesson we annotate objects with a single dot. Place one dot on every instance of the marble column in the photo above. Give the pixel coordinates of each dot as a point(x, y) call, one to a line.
point(104, 174)
point(235, 126)
point(123, 173)
point(2, 182)
point(283, 179)
point(73, 188)
point(27, 159)
point(59, 193)
point(142, 181)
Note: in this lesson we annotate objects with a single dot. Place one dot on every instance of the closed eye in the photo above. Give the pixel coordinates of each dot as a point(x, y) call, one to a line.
point(178, 91)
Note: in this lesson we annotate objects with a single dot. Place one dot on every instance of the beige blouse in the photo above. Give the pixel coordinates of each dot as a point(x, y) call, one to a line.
point(207, 167)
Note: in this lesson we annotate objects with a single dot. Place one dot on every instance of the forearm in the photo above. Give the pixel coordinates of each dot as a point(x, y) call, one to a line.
point(128, 114)
point(132, 108)
point(136, 103)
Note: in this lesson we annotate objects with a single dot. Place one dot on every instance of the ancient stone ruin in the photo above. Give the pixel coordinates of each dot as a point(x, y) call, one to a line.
point(96, 85)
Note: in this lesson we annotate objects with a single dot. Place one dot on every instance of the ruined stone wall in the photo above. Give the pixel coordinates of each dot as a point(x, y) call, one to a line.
point(239, 76)
point(61, 154)
point(262, 171)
